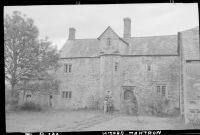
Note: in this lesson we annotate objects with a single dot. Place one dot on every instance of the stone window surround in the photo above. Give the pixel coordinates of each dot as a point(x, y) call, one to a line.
point(66, 95)
point(161, 89)
point(149, 67)
point(28, 95)
point(116, 67)
point(68, 68)
point(108, 41)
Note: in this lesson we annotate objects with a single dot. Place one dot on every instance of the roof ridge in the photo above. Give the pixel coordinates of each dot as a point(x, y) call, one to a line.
point(193, 28)
point(153, 36)
point(86, 39)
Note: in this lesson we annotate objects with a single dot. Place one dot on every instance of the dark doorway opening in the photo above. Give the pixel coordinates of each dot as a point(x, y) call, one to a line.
point(50, 100)
point(129, 100)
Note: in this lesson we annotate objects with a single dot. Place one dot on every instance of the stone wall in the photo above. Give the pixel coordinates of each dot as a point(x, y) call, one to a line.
point(97, 76)
point(192, 91)
point(164, 71)
point(190, 44)
point(110, 79)
point(116, 44)
point(83, 81)
point(132, 71)
point(190, 53)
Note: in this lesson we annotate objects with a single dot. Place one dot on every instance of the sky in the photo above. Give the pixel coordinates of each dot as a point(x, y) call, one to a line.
point(53, 21)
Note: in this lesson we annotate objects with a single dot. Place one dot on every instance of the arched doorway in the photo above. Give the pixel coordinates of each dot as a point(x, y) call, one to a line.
point(128, 94)
point(129, 100)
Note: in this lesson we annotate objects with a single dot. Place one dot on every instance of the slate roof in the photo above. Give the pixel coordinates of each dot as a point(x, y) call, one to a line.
point(193, 29)
point(80, 48)
point(153, 45)
point(156, 45)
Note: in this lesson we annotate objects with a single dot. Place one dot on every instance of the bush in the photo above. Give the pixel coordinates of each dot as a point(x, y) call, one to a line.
point(11, 103)
point(29, 106)
point(174, 112)
point(157, 105)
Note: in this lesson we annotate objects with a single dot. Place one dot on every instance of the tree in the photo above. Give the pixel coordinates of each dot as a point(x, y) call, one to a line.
point(25, 55)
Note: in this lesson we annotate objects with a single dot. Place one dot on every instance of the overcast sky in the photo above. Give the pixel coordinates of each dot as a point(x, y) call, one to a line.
point(91, 20)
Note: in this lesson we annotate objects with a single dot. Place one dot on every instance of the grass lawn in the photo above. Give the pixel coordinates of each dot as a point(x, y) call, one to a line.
point(45, 121)
point(65, 120)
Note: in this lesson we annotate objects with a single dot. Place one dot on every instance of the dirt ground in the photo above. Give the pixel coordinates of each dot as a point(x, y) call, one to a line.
point(65, 120)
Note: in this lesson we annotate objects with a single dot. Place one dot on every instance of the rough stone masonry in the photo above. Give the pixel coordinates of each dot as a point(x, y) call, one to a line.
point(143, 66)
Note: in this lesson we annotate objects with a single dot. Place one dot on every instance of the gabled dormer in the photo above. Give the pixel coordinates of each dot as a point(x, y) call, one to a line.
point(111, 43)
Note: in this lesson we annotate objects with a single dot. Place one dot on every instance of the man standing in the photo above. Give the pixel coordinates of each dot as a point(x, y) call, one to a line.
point(135, 105)
point(111, 108)
point(105, 105)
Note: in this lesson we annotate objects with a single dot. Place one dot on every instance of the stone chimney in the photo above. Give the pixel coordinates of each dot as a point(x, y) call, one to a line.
point(72, 33)
point(127, 27)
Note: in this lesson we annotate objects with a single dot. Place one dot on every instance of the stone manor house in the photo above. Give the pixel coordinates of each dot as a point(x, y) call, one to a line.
point(122, 66)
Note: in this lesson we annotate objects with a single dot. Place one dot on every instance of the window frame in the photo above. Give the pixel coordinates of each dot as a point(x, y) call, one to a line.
point(109, 41)
point(163, 86)
point(68, 68)
point(148, 67)
point(67, 95)
point(160, 91)
point(116, 66)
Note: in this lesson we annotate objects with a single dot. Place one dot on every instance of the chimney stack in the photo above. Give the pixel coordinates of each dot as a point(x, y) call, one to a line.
point(72, 33)
point(127, 27)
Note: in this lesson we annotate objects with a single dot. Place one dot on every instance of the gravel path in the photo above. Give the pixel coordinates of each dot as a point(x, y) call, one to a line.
point(141, 123)
point(62, 121)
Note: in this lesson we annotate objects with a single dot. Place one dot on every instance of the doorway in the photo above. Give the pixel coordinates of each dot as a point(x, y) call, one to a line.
point(50, 100)
point(129, 100)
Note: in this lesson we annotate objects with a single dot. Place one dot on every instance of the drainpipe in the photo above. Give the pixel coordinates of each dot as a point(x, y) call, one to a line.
point(181, 91)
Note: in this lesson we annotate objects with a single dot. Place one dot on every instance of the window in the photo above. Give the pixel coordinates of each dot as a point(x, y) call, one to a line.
point(28, 95)
point(148, 67)
point(158, 89)
point(67, 94)
point(70, 94)
point(68, 68)
point(116, 66)
point(108, 41)
point(63, 94)
point(161, 90)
